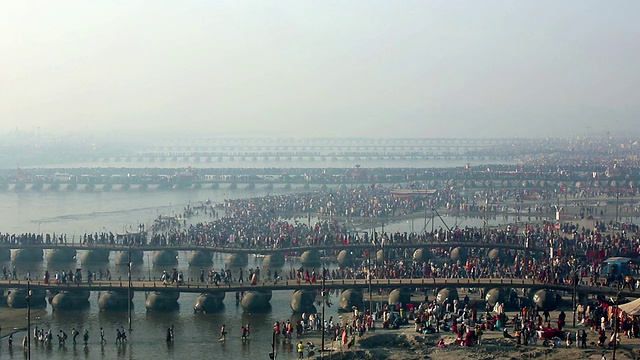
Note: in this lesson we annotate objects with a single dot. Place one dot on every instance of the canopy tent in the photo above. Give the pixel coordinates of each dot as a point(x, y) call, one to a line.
point(631, 308)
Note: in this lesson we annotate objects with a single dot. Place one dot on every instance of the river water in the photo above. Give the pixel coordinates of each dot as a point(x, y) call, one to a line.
point(75, 213)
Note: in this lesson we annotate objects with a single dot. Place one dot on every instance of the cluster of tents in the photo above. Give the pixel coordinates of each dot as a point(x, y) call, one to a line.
point(631, 308)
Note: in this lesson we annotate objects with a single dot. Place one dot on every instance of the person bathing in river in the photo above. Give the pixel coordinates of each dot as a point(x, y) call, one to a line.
point(223, 333)
point(74, 335)
point(62, 338)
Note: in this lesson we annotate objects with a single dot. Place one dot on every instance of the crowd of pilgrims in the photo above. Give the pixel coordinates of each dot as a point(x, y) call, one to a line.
point(265, 222)
point(264, 233)
point(398, 263)
point(255, 223)
point(527, 326)
point(439, 261)
point(477, 264)
point(312, 323)
point(250, 223)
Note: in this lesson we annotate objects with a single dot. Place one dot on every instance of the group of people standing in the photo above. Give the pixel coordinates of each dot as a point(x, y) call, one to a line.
point(45, 337)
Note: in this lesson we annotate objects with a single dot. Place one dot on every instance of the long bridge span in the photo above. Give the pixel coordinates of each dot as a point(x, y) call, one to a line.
point(335, 284)
point(249, 251)
point(161, 296)
point(480, 182)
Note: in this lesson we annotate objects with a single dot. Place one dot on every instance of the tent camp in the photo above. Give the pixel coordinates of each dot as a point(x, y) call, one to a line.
point(631, 308)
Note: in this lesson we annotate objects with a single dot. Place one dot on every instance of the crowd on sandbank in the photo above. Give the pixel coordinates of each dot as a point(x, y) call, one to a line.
point(244, 222)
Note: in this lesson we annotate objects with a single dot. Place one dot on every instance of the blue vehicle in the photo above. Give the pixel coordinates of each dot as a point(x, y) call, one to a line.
point(616, 268)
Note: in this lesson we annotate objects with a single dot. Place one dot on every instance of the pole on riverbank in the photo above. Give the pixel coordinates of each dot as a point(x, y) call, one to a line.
point(28, 320)
point(524, 252)
point(148, 266)
point(617, 205)
point(272, 354)
point(369, 275)
point(323, 327)
point(129, 287)
point(615, 326)
point(575, 277)
point(432, 222)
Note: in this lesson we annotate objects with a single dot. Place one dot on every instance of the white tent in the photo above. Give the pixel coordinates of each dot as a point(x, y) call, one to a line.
point(631, 308)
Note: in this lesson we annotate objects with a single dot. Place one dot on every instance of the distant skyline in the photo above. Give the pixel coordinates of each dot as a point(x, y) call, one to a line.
point(321, 69)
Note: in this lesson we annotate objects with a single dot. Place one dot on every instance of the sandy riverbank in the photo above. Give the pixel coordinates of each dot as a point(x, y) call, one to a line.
point(14, 320)
point(405, 344)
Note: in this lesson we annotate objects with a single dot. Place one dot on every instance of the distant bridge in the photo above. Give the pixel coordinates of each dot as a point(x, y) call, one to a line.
point(205, 182)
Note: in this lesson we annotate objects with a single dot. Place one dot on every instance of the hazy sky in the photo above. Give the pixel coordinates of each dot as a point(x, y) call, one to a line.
point(321, 68)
